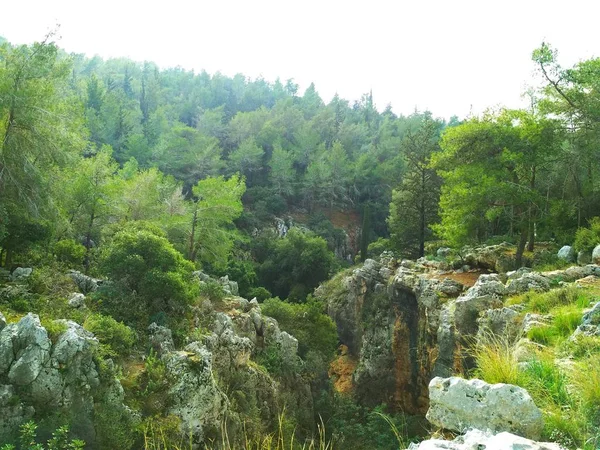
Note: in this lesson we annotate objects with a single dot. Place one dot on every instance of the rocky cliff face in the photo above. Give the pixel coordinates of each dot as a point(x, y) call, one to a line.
point(215, 379)
point(44, 376)
point(405, 323)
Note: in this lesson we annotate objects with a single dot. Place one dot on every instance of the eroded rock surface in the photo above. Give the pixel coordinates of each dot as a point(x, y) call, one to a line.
point(457, 404)
point(479, 440)
point(41, 378)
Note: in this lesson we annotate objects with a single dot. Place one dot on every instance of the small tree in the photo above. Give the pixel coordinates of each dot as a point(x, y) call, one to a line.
point(148, 270)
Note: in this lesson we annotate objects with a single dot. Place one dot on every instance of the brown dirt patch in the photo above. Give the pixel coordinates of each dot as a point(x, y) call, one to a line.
point(341, 370)
point(467, 279)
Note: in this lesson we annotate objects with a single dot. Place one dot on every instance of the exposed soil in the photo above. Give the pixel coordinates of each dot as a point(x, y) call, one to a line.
point(341, 370)
point(467, 279)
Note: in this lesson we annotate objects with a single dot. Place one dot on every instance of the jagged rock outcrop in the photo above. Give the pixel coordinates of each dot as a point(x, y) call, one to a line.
point(479, 440)
point(457, 404)
point(405, 322)
point(42, 377)
point(85, 283)
point(214, 378)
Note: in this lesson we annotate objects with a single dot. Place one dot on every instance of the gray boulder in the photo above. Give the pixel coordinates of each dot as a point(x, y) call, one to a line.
point(528, 281)
point(77, 300)
point(161, 339)
point(84, 283)
point(590, 323)
point(2, 321)
point(596, 255)
point(584, 258)
point(485, 294)
point(566, 253)
point(21, 273)
point(478, 440)
point(457, 404)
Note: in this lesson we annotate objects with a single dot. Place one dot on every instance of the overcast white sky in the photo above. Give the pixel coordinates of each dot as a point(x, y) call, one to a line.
point(450, 57)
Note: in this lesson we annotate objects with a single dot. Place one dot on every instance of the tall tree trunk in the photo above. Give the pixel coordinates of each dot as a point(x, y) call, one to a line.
point(521, 247)
point(422, 223)
point(192, 251)
point(88, 242)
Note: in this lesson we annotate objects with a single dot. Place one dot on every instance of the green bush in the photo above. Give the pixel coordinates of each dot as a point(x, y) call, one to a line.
point(150, 273)
point(69, 252)
point(59, 441)
point(306, 322)
point(212, 289)
point(588, 238)
point(295, 265)
point(260, 293)
point(116, 336)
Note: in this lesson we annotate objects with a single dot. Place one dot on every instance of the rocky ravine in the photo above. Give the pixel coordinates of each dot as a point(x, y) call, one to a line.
point(406, 322)
point(211, 381)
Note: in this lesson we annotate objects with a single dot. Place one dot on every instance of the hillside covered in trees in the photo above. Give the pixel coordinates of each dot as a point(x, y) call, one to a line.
point(147, 187)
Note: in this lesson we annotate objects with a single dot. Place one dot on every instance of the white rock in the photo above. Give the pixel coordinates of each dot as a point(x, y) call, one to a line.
point(476, 440)
point(77, 300)
point(458, 404)
point(596, 255)
point(21, 273)
point(566, 253)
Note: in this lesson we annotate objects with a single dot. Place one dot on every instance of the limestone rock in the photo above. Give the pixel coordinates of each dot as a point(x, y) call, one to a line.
point(584, 258)
point(596, 255)
point(526, 282)
point(21, 273)
point(196, 398)
point(590, 323)
point(2, 321)
point(230, 287)
point(77, 300)
point(442, 252)
point(566, 253)
point(84, 283)
point(485, 294)
point(458, 404)
point(161, 339)
point(477, 440)
point(500, 322)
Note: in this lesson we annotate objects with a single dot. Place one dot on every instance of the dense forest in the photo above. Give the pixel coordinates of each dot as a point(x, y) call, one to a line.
point(120, 170)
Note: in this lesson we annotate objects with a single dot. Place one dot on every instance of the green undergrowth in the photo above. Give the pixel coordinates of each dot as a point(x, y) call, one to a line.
point(560, 372)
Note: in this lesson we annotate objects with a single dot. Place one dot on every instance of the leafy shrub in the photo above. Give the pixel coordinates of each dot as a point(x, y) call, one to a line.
point(260, 293)
point(588, 238)
point(379, 246)
point(69, 252)
point(149, 271)
point(59, 441)
point(116, 336)
point(295, 265)
point(306, 322)
point(54, 328)
point(212, 289)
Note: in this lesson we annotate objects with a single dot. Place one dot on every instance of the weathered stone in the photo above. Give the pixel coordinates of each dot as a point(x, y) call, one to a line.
point(2, 321)
point(584, 258)
point(596, 255)
point(161, 339)
point(85, 283)
point(478, 440)
point(77, 300)
point(458, 404)
point(527, 281)
point(196, 399)
point(590, 323)
point(566, 253)
point(230, 287)
point(21, 273)
point(443, 252)
point(499, 322)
